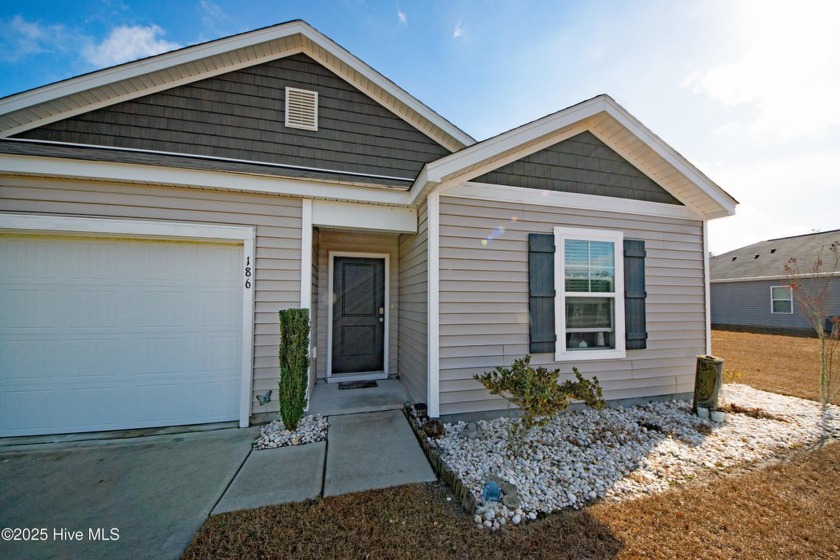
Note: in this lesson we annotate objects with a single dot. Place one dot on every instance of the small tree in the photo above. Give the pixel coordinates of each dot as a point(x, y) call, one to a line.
point(294, 365)
point(539, 393)
point(812, 289)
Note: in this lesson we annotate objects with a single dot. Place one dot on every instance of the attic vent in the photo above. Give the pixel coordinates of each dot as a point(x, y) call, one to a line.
point(755, 257)
point(301, 109)
point(733, 259)
point(772, 251)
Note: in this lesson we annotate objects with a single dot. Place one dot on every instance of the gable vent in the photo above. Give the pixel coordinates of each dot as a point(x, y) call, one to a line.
point(301, 109)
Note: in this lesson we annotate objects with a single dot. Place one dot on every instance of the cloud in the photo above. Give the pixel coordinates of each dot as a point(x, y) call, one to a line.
point(127, 43)
point(211, 13)
point(402, 17)
point(20, 38)
point(786, 81)
point(782, 196)
point(459, 32)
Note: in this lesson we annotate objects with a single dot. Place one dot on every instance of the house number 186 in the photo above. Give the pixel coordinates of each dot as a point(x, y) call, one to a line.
point(248, 272)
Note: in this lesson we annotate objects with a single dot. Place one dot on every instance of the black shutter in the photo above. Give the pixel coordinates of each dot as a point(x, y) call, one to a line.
point(634, 294)
point(541, 292)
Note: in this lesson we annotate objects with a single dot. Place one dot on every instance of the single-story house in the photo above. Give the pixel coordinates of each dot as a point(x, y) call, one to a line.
point(155, 216)
point(751, 290)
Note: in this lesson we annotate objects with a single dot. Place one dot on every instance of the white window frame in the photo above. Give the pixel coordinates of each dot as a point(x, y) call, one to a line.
point(774, 300)
point(561, 234)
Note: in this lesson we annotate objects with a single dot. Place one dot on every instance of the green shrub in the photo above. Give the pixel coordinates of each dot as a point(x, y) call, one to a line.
point(538, 392)
point(294, 365)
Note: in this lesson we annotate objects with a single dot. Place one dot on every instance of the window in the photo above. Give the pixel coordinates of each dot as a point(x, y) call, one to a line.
point(589, 307)
point(781, 299)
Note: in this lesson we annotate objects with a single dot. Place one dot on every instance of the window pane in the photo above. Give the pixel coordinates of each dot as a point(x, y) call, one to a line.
point(589, 324)
point(577, 279)
point(577, 252)
point(781, 292)
point(589, 313)
point(602, 280)
point(601, 253)
point(782, 306)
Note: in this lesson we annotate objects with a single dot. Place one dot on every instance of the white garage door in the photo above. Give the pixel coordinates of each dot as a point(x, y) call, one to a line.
point(105, 334)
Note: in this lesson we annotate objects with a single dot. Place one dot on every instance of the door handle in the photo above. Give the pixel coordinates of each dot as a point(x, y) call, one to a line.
point(382, 319)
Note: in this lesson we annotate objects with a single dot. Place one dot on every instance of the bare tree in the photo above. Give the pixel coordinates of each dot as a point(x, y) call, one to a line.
point(812, 289)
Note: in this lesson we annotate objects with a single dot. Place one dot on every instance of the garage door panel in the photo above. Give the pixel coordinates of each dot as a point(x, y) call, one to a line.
point(103, 334)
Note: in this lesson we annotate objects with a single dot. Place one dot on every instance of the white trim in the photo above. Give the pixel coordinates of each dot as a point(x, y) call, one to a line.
point(296, 36)
point(386, 342)
point(306, 254)
point(502, 193)
point(707, 288)
point(173, 176)
point(370, 217)
point(774, 300)
point(210, 158)
point(433, 310)
point(489, 154)
point(774, 277)
point(306, 280)
point(139, 229)
point(562, 354)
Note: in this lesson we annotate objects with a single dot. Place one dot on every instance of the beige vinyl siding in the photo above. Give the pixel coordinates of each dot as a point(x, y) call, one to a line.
point(484, 299)
point(278, 239)
point(414, 299)
point(356, 242)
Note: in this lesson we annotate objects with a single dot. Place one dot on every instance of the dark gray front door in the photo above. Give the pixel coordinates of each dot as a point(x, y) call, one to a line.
point(358, 315)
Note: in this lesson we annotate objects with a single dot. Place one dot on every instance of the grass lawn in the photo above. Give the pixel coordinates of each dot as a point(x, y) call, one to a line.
point(788, 365)
point(786, 510)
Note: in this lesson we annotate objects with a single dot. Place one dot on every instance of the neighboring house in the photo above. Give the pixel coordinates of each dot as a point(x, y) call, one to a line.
point(751, 291)
point(155, 216)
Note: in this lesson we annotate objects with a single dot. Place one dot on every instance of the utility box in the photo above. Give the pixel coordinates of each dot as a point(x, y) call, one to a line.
point(708, 378)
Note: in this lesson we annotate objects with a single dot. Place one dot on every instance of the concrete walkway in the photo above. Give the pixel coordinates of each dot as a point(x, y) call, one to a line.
point(363, 451)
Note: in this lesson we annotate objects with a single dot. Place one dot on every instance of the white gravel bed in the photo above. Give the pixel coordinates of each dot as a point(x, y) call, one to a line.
point(622, 453)
point(310, 429)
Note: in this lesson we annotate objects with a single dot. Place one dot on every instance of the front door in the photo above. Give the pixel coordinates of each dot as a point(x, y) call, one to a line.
point(358, 334)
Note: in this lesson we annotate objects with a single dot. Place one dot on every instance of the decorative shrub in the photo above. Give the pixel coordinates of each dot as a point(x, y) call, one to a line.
point(538, 392)
point(294, 365)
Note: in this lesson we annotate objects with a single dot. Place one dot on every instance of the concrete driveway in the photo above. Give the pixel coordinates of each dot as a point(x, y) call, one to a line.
point(147, 495)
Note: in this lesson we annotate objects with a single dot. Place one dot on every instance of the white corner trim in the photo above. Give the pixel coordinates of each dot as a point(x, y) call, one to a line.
point(503, 193)
point(707, 288)
point(433, 315)
point(306, 280)
point(179, 177)
point(364, 216)
point(139, 229)
point(306, 255)
point(386, 343)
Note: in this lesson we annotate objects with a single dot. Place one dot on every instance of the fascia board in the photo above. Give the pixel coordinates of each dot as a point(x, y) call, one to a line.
point(443, 168)
point(222, 180)
point(144, 66)
point(381, 81)
point(726, 202)
point(191, 54)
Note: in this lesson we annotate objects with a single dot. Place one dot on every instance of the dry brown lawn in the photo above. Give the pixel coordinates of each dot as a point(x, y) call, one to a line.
point(783, 511)
point(786, 510)
point(788, 365)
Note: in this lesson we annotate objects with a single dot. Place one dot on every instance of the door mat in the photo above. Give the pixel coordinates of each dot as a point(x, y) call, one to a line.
point(356, 385)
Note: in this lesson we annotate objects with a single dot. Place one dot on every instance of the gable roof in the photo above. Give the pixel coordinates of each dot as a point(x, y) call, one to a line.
point(43, 105)
point(767, 259)
point(609, 122)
